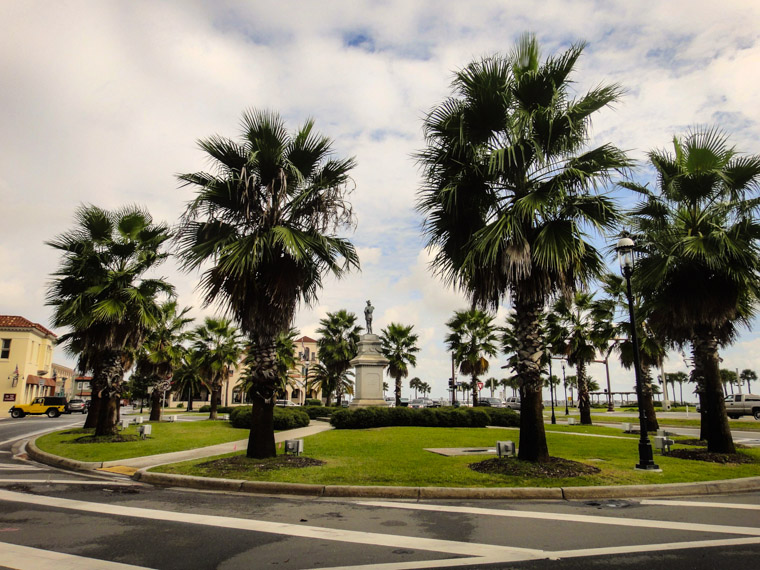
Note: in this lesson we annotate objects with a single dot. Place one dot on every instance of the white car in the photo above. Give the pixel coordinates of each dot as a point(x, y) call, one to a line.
point(285, 403)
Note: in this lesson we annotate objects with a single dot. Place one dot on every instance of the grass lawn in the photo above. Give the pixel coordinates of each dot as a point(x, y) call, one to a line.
point(664, 422)
point(396, 456)
point(166, 437)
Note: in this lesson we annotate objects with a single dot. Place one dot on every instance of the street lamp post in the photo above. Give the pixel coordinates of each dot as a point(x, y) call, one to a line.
point(564, 384)
point(551, 390)
point(625, 256)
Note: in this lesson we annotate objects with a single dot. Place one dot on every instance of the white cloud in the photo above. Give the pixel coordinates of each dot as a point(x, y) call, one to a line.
point(103, 102)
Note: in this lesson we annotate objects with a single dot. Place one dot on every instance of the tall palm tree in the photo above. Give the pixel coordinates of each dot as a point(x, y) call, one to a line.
point(337, 346)
point(163, 351)
point(577, 328)
point(509, 196)
point(219, 345)
point(699, 271)
point(101, 295)
point(472, 338)
point(399, 345)
point(266, 221)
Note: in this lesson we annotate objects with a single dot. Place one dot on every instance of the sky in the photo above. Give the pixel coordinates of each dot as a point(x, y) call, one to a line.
point(103, 103)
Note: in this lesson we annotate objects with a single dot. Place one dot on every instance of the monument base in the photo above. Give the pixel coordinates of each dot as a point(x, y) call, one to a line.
point(369, 365)
point(367, 403)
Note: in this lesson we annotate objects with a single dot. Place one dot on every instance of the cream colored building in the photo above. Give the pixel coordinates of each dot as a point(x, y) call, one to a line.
point(297, 390)
point(26, 362)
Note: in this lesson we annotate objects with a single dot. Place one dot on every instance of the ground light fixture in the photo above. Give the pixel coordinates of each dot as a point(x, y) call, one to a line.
point(624, 249)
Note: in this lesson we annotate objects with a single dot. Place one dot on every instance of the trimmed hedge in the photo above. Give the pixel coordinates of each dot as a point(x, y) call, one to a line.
point(362, 418)
point(315, 412)
point(312, 402)
point(219, 410)
point(284, 418)
point(504, 417)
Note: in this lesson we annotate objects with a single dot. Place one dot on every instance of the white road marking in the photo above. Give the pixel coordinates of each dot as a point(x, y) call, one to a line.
point(19, 467)
point(700, 504)
point(505, 553)
point(641, 523)
point(26, 558)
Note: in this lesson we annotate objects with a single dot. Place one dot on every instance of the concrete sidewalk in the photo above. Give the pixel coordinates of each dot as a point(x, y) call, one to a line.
point(152, 460)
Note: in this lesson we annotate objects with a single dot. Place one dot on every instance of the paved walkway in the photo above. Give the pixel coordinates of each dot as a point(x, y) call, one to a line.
point(152, 460)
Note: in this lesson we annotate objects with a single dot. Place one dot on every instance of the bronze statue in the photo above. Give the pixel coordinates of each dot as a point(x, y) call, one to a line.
point(368, 316)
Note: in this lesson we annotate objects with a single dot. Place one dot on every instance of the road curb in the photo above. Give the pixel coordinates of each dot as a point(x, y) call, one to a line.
point(414, 493)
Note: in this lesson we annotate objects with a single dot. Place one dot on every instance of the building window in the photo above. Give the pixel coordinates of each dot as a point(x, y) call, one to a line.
point(5, 348)
point(306, 353)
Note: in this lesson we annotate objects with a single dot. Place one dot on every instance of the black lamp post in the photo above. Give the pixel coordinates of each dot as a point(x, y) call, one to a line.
point(551, 390)
point(564, 384)
point(625, 256)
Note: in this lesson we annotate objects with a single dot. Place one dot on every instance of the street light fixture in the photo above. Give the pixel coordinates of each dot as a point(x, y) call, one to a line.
point(625, 257)
point(564, 384)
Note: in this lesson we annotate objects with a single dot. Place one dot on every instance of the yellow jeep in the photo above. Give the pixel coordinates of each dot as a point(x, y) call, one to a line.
point(51, 405)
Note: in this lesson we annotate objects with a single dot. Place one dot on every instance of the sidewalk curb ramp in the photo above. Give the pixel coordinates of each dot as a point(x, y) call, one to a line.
point(414, 493)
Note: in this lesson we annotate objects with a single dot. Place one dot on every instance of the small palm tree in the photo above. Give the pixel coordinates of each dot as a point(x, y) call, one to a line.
point(187, 377)
point(747, 376)
point(265, 222)
point(414, 384)
point(399, 346)
point(337, 346)
point(219, 345)
point(472, 338)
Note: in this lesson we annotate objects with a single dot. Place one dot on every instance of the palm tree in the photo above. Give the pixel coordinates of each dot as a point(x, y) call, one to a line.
point(266, 221)
point(472, 338)
point(577, 328)
point(748, 376)
point(286, 362)
point(425, 388)
point(100, 294)
point(220, 346)
point(491, 383)
point(163, 351)
point(509, 196)
point(337, 346)
point(699, 270)
point(414, 384)
point(187, 377)
point(399, 345)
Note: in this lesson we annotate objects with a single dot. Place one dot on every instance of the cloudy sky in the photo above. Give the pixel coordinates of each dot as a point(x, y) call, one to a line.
point(103, 102)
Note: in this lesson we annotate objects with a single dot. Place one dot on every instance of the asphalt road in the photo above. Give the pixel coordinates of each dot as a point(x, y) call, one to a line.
point(55, 519)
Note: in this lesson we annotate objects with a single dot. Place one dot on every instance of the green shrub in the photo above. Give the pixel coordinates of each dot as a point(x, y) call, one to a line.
point(312, 402)
point(206, 408)
point(315, 412)
point(180, 406)
point(363, 418)
point(503, 417)
point(284, 418)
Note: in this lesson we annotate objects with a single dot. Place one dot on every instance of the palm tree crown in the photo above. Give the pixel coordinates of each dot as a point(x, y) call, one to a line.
point(472, 338)
point(399, 346)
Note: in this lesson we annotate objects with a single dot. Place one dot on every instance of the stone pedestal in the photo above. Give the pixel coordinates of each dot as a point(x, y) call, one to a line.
point(369, 364)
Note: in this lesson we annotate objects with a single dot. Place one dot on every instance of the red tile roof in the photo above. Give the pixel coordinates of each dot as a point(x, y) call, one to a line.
point(305, 339)
point(16, 322)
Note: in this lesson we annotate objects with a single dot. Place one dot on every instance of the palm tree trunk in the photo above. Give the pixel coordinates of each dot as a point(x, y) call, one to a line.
point(475, 395)
point(113, 373)
point(584, 403)
point(707, 373)
point(398, 391)
point(530, 348)
point(647, 399)
point(264, 374)
point(215, 397)
point(155, 405)
point(92, 414)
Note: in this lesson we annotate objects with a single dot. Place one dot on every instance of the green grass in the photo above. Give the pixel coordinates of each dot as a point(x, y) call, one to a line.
point(664, 422)
point(166, 437)
point(397, 457)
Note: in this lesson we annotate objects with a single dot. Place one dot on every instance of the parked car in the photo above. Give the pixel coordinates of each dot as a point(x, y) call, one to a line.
point(422, 403)
point(77, 405)
point(52, 406)
point(512, 403)
point(491, 402)
point(390, 402)
point(738, 405)
point(285, 403)
point(404, 402)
